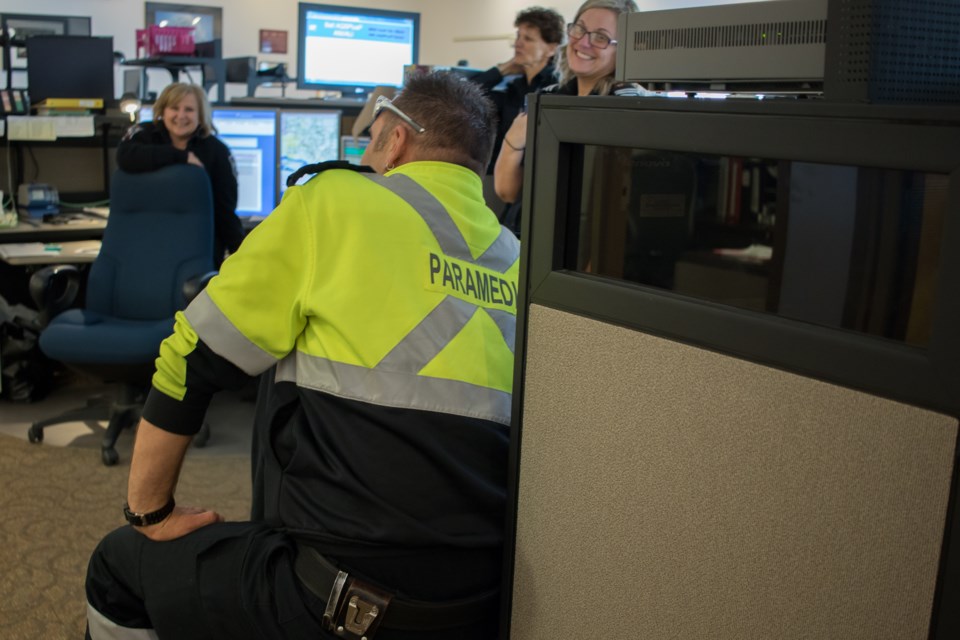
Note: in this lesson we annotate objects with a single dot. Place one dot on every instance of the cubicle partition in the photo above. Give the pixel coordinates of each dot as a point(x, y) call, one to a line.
point(736, 394)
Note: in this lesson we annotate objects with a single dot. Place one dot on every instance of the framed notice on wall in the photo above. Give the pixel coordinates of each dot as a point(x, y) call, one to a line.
point(273, 41)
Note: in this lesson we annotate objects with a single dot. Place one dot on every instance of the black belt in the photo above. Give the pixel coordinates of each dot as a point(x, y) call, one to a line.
point(327, 582)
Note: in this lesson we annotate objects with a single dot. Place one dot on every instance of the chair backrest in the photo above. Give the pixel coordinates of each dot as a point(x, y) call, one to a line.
point(159, 234)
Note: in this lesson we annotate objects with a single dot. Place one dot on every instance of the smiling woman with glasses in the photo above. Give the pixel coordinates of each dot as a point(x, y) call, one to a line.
point(585, 67)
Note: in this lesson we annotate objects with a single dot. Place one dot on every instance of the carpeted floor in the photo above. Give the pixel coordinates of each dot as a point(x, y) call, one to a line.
point(55, 505)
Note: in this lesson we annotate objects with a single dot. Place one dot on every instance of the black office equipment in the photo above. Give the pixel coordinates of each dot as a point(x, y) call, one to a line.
point(15, 28)
point(877, 51)
point(134, 82)
point(885, 51)
point(353, 50)
point(749, 46)
point(70, 67)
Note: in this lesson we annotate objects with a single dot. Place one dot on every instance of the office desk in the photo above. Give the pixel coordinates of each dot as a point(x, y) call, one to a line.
point(40, 253)
point(35, 231)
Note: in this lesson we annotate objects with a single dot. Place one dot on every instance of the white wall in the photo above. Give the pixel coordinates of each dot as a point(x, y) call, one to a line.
point(451, 30)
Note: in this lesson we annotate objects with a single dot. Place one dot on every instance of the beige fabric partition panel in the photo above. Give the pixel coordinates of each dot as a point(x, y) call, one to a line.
point(668, 491)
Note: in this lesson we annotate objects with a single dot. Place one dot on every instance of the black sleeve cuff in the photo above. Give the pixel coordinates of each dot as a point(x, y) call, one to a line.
point(183, 417)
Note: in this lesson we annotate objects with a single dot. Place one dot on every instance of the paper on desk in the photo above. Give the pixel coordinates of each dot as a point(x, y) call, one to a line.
point(757, 252)
point(73, 126)
point(50, 127)
point(22, 249)
point(30, 128)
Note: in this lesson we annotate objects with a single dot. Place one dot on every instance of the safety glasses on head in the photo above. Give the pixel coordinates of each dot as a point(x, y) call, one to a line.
point(383, 102)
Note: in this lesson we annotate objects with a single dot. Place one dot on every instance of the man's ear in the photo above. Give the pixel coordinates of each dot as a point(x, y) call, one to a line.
point(398, 145)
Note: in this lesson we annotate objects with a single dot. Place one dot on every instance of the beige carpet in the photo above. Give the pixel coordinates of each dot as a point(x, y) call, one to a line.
point(55, 505)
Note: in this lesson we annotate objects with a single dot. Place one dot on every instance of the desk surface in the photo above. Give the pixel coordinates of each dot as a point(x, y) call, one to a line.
point(20, 253)
point(35, 231)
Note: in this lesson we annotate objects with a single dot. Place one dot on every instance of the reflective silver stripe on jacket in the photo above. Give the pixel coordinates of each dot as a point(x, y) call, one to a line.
point(394, 381)
point(394, 388)
point(499, 256)
point(103, 628)
point(224, 338)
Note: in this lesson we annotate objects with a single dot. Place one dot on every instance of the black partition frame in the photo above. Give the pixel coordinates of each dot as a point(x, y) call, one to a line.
point(917, 138)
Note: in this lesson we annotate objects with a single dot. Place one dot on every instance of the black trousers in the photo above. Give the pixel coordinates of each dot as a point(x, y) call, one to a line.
point(231, 580)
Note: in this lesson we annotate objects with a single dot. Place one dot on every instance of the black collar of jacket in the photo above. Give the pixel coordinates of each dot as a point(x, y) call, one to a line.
point(320, 167)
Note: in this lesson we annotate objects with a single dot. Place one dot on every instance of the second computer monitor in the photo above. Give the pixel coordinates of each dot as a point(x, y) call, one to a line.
point(251, 134)
point(352, 148)
point(307, 137)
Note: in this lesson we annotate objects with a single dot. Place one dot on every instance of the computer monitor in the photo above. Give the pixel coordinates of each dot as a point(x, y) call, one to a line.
point(251, 134)
point(353, 50)
point(352, 148)
point(307, 137)
point(146, 113)
point(69, 67)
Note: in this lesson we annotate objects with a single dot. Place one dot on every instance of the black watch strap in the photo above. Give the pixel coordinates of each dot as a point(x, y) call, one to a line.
point(146, 519)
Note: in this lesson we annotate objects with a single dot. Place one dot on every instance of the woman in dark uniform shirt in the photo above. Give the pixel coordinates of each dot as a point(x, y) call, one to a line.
point(182, 132)
point(539, 33)
point(585, 67)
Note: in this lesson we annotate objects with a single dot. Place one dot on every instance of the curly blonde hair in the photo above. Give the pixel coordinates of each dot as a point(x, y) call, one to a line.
point(564, 74)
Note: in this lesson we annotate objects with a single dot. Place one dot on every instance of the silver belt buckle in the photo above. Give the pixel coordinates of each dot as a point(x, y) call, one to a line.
point(360, 615)
point(336, 592)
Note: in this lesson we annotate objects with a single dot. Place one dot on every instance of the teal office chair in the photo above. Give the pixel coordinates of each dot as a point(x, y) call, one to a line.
point(157, 253)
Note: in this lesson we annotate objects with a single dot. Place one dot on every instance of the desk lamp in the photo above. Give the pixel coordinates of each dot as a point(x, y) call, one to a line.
point(130, 104)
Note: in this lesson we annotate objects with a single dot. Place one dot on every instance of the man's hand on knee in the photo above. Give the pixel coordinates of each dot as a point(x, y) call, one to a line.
point(180, 522)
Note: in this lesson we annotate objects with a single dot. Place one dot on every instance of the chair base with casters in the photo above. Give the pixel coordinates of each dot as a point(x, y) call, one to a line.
point(71, 332)
point(120, 412)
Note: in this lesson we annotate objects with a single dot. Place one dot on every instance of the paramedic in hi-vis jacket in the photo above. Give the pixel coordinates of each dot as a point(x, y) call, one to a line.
point(380, 307)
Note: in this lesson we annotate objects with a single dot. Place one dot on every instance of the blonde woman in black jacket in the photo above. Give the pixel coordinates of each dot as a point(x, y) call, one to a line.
point(183, 132)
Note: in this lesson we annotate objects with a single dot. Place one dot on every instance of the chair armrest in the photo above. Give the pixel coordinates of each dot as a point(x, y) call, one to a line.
point(54, 289)
point(196, 284)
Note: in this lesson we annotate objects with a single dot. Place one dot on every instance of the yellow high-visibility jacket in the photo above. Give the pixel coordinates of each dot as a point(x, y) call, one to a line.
point(383, 311)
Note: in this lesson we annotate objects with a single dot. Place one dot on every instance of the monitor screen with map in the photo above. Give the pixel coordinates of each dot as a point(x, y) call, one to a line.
point(307, 137)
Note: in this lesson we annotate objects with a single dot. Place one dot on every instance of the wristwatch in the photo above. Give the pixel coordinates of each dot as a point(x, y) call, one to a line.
point(146, 519)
